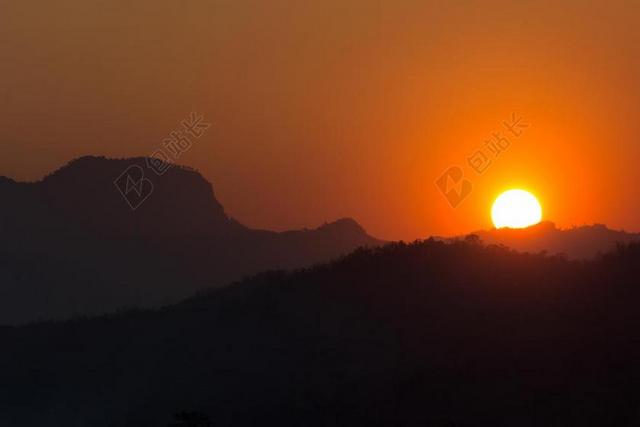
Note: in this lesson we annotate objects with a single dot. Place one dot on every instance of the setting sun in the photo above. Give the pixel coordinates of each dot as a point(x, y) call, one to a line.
point(516, 209)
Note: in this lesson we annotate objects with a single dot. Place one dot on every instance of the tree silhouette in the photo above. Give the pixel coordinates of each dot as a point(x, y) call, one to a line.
point(191, 419)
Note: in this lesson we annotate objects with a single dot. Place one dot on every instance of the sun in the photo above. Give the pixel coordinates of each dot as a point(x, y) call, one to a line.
point(516, 209)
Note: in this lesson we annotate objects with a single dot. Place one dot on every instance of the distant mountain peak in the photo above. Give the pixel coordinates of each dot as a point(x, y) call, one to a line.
point(124, 196)
point(343, 224)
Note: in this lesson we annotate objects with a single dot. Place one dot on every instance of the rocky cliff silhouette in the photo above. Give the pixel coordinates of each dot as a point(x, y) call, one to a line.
point(73, 243)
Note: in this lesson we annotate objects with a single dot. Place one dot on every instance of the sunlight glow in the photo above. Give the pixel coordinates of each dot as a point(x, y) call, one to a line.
point(516, 209)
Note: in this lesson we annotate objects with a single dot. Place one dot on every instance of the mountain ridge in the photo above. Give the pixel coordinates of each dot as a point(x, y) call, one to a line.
point(75, 243)
point(580, 242)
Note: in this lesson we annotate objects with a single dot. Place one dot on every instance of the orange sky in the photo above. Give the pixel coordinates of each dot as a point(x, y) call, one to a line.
point(337, 108)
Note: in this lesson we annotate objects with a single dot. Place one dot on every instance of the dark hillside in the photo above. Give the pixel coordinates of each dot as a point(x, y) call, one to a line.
point(422, 334)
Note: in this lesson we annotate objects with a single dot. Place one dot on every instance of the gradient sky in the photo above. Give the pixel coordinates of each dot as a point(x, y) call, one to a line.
point(338, 107)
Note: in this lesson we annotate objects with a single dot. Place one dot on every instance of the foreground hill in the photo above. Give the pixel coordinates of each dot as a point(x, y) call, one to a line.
point(73, 244)
point(584, 242)
point(428, 334)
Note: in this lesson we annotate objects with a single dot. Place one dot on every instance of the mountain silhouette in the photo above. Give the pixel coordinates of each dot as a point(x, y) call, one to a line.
point(585, 242)
point(101, 234)
point(426, 334)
